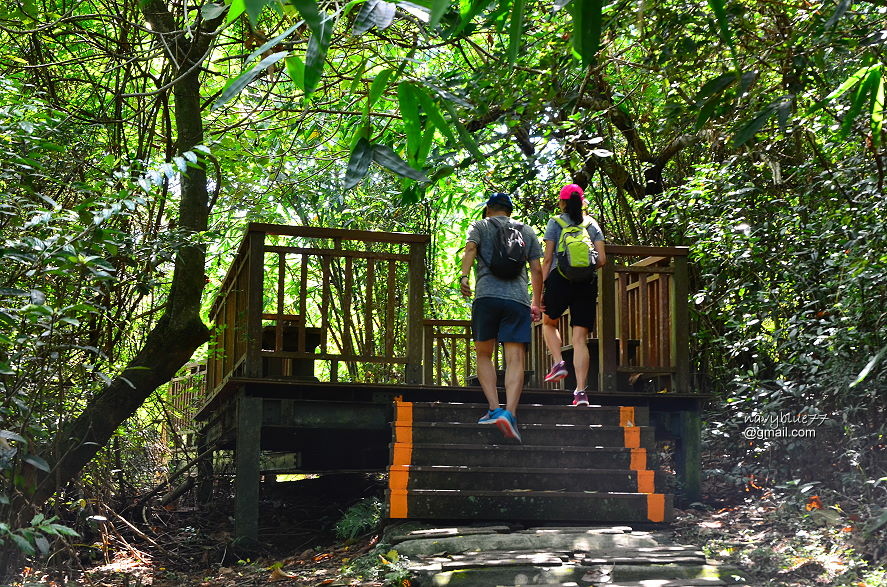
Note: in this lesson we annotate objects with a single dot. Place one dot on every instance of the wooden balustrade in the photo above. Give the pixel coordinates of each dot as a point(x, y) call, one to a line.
point(320, 304)
point(332, 305)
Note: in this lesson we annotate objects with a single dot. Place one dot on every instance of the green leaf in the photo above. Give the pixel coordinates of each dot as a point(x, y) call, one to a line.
point(717, 6)
point(311, 13)
point(272, 43)
point(515, 29)
point(37, 519)
point(840, 9)
point(378, 86)
point(434, 114)
point(878, 110)
point(10, 435)
point(438, 9)
point(65, 531)
point(237, 8)
point(714, 87)
point(315, 55)
point(425, 146)
point(864, 93)
point(243, 80)
point(842, 89)
point(254, 9)
point(295, 68)
point(23, 545)
point(469, 12)
point(386, 157)
point(587, 20)
point(359, 163)
point(409, 111)
point(747, 131)
point(37, 462)
point(374, 13)
point(464, 136)
point(212, 11)
point(869, 367)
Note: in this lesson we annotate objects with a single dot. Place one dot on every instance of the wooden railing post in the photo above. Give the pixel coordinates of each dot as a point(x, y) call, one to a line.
point(608, 351)
point(415, 312)
point(680, 326)
point(255, 272)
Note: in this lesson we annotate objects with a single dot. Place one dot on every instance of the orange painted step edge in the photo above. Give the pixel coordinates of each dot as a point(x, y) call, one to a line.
point(656, 507)
point(626, 416)
point(402, 455)
point(646, 481)
point(638, 459)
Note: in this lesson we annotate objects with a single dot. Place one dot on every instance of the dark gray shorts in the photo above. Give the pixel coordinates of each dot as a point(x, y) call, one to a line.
point(504, 320)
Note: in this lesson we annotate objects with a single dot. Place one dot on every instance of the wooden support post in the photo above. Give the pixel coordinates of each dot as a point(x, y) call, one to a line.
point(428, 358)
point(255, 283)
point(690, 467)
point(204, 467)
point(680, 326)
point(608, 351)
point(415, 312)
point(246, 480)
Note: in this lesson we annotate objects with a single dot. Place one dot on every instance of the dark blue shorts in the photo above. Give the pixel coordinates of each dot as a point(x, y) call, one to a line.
point(504, 320)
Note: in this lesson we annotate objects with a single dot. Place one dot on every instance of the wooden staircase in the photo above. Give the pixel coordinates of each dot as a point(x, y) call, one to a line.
point(576, 464)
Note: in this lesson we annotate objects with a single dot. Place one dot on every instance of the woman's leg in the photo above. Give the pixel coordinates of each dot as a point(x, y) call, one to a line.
point(579, 340)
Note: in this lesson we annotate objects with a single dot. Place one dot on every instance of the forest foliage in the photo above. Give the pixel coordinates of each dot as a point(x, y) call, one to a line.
point(138, 137)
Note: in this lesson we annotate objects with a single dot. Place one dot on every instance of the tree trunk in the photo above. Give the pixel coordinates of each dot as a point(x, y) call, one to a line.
point(180, 331)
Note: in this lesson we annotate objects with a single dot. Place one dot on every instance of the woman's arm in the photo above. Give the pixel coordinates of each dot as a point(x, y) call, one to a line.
point(547, 257)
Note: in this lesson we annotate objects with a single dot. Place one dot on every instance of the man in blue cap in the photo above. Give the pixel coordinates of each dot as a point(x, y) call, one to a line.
point(502, 309)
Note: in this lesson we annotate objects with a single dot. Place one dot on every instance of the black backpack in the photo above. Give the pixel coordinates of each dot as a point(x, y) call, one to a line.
point(510, 250)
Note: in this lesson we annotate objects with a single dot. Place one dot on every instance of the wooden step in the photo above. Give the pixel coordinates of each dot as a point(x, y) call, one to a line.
point(519, 455)
point(504, 479)
point(532, 414)
point(575, 435)
point(529, 505)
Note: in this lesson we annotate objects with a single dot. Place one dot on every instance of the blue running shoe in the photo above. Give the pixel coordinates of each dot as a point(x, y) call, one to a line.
point(490, 416)
point(507, 423)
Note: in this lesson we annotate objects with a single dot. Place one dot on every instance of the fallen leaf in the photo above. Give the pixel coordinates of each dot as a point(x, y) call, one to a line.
point(279, 575)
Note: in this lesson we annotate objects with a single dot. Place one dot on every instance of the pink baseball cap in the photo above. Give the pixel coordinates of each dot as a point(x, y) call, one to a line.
point(568, 190)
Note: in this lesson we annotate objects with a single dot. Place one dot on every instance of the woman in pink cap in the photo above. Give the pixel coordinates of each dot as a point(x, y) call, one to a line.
point(574, 249)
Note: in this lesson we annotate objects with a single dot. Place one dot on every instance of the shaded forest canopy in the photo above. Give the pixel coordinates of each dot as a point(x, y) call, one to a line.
point(138, 137)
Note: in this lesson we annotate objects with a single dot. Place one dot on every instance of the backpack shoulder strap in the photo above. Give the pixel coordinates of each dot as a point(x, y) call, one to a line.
point(563, 223)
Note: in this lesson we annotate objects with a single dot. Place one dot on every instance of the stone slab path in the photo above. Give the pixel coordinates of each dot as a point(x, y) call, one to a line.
point(494, 556)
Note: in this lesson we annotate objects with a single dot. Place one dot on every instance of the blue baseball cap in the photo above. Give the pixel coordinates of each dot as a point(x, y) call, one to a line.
point(500, 199)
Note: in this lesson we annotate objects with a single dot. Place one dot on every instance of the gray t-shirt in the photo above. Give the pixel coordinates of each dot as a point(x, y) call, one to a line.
point(483, 232)
point(553, 233)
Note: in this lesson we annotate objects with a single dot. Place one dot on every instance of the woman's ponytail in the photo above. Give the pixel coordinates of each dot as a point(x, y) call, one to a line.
point(574, 207)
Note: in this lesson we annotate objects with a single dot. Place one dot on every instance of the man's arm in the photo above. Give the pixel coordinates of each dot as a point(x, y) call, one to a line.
point(536, 284)
point(467, 263)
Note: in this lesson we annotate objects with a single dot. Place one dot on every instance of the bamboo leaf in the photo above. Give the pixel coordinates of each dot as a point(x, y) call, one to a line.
point(295, 68)
point(212, 11)
point(864, 93)
point(878, 109)
point(311, 13)
point(386, 157)
point(718, 7)
point(374, 13)
point(237, 8)
point(468, 14)
point(434, 114)
point(315, 55)
point(714, 86)
point(515, 29)
point(272, 43)
point(746, 132)
point(254, 9)
point(438, 9)
point(464, 136)
point(587, 19)
point(409, 111)
point(840, 9)
point(848, 83)
point(378, 86)
point(243, 80)
point(869, 366)
point(359, 163)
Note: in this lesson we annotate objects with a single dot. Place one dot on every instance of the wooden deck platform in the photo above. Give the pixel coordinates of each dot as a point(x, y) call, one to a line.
point(317, 332)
